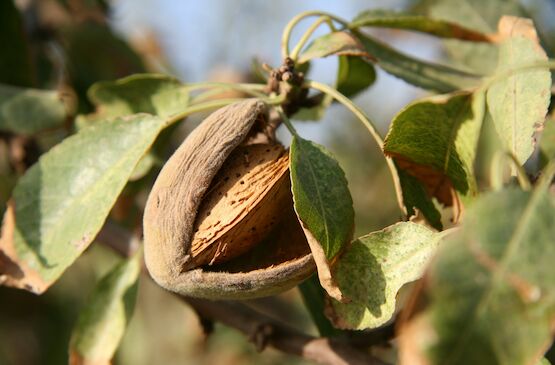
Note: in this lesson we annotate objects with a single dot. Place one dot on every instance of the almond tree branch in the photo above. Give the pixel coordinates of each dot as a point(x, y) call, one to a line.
point(262, 329)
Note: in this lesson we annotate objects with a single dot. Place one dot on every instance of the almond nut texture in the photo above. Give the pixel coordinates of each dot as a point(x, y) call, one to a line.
point(243, 203)
point(219, 220)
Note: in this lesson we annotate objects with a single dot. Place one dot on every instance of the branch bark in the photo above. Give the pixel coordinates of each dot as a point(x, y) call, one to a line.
point(261, 329)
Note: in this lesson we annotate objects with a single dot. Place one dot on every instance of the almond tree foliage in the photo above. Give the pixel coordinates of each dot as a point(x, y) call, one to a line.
point(472, 165)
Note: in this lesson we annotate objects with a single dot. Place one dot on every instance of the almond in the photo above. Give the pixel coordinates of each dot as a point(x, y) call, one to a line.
point(243, 204)
point(219, 220)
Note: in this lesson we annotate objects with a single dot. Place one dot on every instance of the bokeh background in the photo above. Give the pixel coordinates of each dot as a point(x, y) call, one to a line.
point(77, 42)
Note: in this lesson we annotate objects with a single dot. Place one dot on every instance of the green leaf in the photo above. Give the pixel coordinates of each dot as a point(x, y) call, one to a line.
point(27, 111)
point(435, 140)
point(15, 63)
point(314, 300)
point(490, 290)
point(423, 74)
point(416, 196)
point(143, 93)
point(419, 73)
point(479, 15)
point(321, 196)
point(375, 267)
point(419, 23)
point(354, 75)
point(518, 103)
point(323, 205)
point(60, 204)
point(319, 104)
point(156, 94)
point(335, 43)
point(103, 320)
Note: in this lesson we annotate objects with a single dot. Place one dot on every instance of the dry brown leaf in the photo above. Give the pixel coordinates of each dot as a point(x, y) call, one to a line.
point(437, 184)
point(511, 26)
point(77, 359)
point(323, 266)
point(14, 272)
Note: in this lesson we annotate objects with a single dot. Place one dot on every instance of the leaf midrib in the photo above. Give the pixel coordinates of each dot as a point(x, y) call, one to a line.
point(320, 203)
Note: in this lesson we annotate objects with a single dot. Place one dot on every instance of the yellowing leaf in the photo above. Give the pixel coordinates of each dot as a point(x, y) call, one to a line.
point(518, 103)
point(435, 140)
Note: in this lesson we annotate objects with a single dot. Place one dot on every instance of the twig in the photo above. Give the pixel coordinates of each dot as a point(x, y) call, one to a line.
point(370, 125)
point(261, 329)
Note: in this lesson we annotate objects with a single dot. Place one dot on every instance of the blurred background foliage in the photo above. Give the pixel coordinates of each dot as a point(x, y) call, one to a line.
point(67, 45)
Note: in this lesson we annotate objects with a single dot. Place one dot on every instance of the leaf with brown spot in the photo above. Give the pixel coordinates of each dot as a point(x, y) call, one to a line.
point(478, 15)
point(437, 183)
point(15, 272)
point(518, 103)
point(435, 140)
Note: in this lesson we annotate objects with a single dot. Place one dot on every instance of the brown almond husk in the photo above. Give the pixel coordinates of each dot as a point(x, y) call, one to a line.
point(225, 258)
